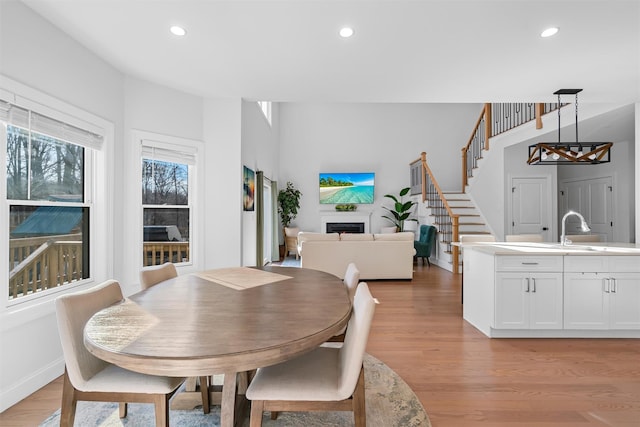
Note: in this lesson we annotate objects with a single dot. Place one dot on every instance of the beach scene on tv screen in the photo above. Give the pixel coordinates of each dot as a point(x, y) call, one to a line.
point(347, 187)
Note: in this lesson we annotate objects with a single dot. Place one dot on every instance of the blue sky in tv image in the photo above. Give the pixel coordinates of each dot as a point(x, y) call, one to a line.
point(357, 187)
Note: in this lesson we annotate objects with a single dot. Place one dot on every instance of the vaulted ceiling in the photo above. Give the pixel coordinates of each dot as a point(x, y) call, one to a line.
point(402, 50)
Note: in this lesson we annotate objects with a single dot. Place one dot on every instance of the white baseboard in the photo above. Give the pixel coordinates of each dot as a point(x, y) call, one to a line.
point(14, 393)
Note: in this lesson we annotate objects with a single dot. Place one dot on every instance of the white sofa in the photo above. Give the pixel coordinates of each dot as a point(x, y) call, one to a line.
point(377, 256)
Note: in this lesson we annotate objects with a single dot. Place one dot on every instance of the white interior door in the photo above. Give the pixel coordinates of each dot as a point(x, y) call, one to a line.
point(531, 206)
point(593, 199)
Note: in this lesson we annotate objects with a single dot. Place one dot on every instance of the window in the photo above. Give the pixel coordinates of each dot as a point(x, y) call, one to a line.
point(265, 106)
point(167, 172)
point(48, 166)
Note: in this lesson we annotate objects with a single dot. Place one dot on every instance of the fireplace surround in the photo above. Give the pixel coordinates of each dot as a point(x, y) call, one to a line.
point(345, 222)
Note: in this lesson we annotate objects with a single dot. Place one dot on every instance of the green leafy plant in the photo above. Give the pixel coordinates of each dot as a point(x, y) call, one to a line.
point(401, 210)
point(347, 207)
point(288, 204)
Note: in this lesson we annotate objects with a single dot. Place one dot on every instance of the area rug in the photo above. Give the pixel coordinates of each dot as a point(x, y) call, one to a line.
point(389, 403)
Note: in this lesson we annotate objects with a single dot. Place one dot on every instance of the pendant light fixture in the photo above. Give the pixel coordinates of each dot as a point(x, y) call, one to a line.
point(569, 153)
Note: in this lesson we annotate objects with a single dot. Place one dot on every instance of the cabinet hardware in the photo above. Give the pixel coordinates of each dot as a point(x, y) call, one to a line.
point(534, 285)
point(614, 285)
point(529, 263)
point(527, 285)
point(606, 285)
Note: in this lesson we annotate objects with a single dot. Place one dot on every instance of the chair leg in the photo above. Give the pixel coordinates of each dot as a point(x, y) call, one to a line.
point(161, 404)
point(359, 409)
point(122, 409)
point(274, 415)
point(68, 404)
point(204, 391)
point(257, 407)
point(428, 263)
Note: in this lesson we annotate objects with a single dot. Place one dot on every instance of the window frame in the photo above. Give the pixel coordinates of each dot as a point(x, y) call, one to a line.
point(97, 194)
point(191, 148)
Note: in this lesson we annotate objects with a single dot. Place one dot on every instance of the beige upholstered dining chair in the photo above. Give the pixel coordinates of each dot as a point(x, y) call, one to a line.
point(87, 378)
point(154, 275)
point(325, 379)
point(523, 238)
point(351, 279)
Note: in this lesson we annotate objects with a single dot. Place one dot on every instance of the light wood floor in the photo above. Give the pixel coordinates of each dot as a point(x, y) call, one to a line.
point(466, 379)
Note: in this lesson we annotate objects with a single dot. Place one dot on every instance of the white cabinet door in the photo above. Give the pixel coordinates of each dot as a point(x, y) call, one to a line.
point(586, 302)
point(545, 301)
point(624, 296)
point(512, 304)
point(528, 301)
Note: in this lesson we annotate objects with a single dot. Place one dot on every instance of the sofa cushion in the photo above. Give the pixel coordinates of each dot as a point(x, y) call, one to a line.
point(305, 236)
point(357, 237)
point(405, 235)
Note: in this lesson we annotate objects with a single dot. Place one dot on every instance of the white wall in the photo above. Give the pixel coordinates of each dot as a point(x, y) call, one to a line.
point(41, 57)
point(223, 180)
point(260, 149)
point(380, 138)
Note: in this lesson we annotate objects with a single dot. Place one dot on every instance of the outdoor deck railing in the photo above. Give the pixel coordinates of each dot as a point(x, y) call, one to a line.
point(40, 263)
point(51, 264)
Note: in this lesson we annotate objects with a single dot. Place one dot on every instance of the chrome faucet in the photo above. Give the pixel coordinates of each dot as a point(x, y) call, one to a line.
point(583, 226)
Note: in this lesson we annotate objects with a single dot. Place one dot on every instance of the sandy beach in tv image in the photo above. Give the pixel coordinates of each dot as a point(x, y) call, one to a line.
point(346, 187)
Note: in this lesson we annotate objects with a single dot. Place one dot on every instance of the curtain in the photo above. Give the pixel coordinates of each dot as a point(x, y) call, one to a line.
point(259, 202)
point(275, 235)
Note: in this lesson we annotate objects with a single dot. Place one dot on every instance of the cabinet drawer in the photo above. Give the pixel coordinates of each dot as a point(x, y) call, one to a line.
point(529, 263)
point(586, 263)
point(624, 264)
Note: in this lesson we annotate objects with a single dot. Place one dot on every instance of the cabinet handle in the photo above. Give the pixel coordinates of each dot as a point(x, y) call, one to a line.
point(614, 287)
point(527, 279)
point(606, 284)
point(529, 263)
point(534, 284)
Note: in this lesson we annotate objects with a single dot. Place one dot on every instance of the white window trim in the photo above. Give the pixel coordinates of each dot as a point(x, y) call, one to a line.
point(196, 187)
point(13, 313)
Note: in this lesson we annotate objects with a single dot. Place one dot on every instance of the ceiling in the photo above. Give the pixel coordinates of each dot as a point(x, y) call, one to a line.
point(402, 51)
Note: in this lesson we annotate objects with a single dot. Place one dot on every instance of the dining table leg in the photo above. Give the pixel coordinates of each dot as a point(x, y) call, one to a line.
point(228, 404)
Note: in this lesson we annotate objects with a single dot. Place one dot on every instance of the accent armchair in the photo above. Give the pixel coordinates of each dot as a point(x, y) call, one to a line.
point(425, 243)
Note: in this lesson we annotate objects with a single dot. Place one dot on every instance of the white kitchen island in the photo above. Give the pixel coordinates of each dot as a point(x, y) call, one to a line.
point(524, 290)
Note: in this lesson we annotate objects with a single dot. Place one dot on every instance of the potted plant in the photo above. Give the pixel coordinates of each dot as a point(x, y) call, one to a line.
point(288, 205)
point(401, 210)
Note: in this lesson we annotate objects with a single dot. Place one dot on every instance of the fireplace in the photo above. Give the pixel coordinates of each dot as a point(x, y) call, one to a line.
point(345, 227)
point(345, 222)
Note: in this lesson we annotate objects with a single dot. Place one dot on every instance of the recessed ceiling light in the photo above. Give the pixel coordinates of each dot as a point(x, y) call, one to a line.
point(178, 31)
point(549, 32)
point(346, 32)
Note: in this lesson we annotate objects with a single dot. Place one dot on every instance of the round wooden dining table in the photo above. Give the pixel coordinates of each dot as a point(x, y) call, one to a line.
point(223, 321)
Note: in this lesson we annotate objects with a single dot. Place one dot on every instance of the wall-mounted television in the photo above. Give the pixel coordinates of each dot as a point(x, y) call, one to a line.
point(356, 188)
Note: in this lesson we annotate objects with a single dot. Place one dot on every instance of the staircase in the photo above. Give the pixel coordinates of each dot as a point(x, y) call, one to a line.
point(469, 222)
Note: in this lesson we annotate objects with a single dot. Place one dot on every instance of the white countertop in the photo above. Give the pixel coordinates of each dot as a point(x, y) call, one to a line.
point(533, 248)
